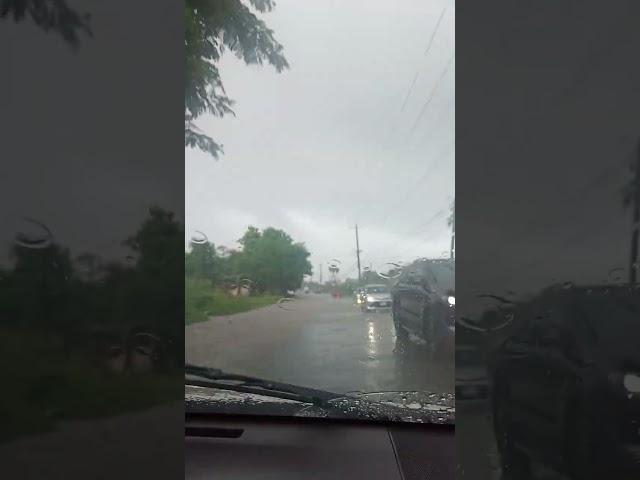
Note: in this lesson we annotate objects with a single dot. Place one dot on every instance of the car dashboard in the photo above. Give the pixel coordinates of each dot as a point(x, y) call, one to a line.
point(251, 447)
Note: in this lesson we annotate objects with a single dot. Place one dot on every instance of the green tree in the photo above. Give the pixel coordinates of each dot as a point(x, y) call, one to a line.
point(201, 261)
point(272, 260)
point(42, 279)
point(347, 287)
point(155, 243)
point(250, 237)
point(152, 294)
point(211, 27)
point(49, 15)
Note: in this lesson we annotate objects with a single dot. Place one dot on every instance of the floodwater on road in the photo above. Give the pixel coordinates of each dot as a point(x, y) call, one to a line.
point(319, 342)
point(329, 344)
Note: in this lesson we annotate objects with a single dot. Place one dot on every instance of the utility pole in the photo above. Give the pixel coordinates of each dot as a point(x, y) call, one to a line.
point(635, 232)
point(453, 232)
point(320, 270)
point(358, 256)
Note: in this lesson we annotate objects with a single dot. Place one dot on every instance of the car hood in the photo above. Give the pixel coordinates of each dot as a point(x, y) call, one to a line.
point(412, 407)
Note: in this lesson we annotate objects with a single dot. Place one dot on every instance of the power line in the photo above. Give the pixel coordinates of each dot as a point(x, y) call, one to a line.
point(413, 84)
point(422, 178)
point(573, 237)
point(425, 225)
point(395, 158)
point(577, 197)
point(438, 214)
point(426, 52)
point(439, 120)
point(431, 95)
point(430, 237)
point(435, 30)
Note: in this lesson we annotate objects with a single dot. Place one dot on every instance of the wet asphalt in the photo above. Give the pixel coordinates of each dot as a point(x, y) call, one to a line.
point(320, 342)
point(327, 343)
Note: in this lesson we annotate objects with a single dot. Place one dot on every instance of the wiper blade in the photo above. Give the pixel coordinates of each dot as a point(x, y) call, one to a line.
point(216, 378)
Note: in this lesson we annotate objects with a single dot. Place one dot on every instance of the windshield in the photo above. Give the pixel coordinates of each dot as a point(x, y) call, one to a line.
point(321, 164)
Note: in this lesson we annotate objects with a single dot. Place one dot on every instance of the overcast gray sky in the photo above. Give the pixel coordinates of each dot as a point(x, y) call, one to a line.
point(328, 143)
point(547, 131)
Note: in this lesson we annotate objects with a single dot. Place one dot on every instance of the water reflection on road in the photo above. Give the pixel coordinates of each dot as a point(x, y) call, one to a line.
point(323, 343)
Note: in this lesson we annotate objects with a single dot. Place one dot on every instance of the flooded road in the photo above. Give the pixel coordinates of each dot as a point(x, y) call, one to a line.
point(320, 342)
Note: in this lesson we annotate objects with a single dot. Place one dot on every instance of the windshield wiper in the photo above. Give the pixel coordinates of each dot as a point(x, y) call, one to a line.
point(216, 378)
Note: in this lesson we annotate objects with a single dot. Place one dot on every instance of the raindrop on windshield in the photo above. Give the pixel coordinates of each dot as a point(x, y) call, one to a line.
point(389, 270)
point(284, 302)
point(615, 274)
point(33, 234)
point(199, 238)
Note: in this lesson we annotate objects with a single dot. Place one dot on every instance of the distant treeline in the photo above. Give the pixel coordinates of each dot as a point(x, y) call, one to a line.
point(268, 261)
point(89, 305)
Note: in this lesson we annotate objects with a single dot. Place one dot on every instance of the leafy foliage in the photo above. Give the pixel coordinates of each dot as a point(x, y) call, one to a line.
point(202, 262)
point(40, 286)
point(211, 27)
point(47, 292)
point(270, 259)
point(451, 218)
point(347, 287)
point(273, 260)
point(62, 317)
point(203, 301)
point(54, 15)
point(157, 243)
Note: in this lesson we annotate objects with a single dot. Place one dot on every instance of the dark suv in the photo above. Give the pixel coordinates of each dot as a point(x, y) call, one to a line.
point(567, 384)
point(423, 300)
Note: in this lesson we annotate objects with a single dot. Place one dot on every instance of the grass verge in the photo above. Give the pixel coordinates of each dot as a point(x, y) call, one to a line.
point(202, 302)
point(42, 387)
